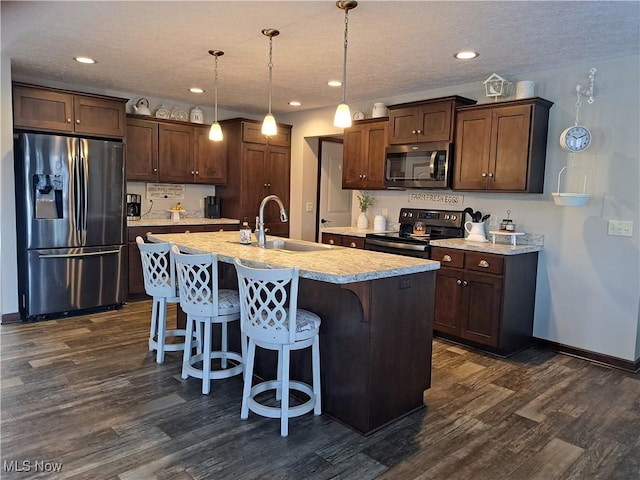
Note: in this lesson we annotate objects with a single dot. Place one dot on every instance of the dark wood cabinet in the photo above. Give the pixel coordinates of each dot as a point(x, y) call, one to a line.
point(343, 240)
point(53, 110)
point(502, 147)
point(364, 154)
point(485, 300)
point(173, 152)
point(261, 167)
point(424, 121)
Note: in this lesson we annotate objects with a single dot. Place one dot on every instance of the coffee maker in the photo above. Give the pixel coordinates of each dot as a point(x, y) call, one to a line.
point(212, 207)
point(133, 206)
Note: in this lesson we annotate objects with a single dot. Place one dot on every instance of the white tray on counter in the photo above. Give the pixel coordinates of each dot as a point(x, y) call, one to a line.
point(513, 235)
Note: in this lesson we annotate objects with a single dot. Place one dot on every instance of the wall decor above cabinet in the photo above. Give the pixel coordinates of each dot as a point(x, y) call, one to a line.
point(502, 146)
point(53, 110)
point(425, 121)
point(173, 152)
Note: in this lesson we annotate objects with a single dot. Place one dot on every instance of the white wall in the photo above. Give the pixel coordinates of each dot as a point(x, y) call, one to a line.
point(588, 289)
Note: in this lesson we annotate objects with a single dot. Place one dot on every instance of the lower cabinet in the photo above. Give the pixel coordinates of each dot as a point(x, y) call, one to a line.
point(343, 240)
point(485, 300)
point(136, 280)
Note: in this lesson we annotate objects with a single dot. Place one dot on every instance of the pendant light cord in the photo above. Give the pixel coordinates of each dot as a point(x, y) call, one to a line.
point(344, 66)
point(215, 92)
point(270, 69)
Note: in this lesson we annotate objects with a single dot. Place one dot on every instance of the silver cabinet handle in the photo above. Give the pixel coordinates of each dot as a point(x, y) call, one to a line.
point(419, 131)
point(77, 120)
point(465, 283)
point(414, 131)
point(490, 175)
point(192, 172)
point(459, 282)
point(155, 169)
point(197, 172)
point(352, 244)
point(331, 242)
point(484, 175)
point(68, 120)
point(447, 258)
point(483, 264)
point(187, 231)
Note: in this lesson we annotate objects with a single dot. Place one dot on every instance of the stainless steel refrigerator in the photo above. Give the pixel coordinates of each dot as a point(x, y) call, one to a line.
point(71, 224)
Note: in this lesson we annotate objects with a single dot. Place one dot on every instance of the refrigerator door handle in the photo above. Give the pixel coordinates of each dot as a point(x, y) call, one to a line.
point(75, 255)
point(76, 194)
point(85, 197)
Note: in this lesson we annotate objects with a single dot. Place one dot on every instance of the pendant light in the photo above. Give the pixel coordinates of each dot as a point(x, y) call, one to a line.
point(343, 114)
point(269, 127)
point(215, 133)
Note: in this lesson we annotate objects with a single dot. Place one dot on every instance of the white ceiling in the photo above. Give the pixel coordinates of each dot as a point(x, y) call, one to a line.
point(159, 48)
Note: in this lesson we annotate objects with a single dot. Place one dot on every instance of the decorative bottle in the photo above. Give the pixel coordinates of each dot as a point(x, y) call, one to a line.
point(245, 234)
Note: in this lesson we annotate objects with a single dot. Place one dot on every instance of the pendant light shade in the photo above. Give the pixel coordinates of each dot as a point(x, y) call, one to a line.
point(342, 118)
point(269, 127)
point(215, 133)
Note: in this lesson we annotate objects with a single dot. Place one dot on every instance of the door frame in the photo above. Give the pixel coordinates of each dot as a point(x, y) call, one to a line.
point(318, 175)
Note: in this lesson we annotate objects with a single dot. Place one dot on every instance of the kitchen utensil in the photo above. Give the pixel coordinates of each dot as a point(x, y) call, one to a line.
point(485, 217)
point(475, 231)
point(141, 107)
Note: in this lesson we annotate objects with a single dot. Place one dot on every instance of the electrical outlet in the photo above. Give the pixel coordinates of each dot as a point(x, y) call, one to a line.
point(620, 228)
point(384, 212)
point(202, 203)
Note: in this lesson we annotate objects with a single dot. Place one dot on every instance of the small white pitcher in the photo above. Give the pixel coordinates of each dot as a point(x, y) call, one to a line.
point(475, 231)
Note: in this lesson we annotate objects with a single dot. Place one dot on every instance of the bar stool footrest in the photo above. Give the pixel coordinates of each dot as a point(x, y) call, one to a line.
point(276, 412)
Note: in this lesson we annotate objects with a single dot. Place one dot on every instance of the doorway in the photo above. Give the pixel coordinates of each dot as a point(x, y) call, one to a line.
point(334, 203)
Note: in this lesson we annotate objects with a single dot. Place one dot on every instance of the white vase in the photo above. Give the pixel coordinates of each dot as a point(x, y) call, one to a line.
point(363, 221)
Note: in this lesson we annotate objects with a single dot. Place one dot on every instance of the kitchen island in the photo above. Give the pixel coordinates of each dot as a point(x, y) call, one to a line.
point(377, 322)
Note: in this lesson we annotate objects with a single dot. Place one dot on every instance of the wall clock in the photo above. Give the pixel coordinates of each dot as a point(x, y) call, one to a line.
point(575, 139)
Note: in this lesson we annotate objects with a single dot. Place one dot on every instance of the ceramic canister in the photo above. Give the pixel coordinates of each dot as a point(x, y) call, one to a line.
point(379, 110)
point(196, 115)
point(525, 89)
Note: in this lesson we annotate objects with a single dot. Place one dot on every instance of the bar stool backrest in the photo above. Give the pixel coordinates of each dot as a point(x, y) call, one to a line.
point(157, 269)
point(198, 283)
point(268, 303)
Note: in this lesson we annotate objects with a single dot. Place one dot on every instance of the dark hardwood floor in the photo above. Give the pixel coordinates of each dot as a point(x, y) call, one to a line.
point(83, 394)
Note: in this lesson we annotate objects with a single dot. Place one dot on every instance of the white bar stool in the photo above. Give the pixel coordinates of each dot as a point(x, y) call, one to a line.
point(271, 320)
point(206, 304)
point(160, 283)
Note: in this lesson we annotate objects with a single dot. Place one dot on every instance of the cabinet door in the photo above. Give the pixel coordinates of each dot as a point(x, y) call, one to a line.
point(42, 109)
point(99, 116)
point(175, 152)
point(482, 318)
point(353, 157)
point(403, 125)
point(510, 148)
point(375, 138)
point(448, 300)
point(473, 148)
point(278, 174)
point(142, 150)
point(253, 182)
point(210, 158)
point(435, 122)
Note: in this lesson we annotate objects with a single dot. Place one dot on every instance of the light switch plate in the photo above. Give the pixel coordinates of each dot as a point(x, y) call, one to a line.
point(620, 228)
point(309, 206)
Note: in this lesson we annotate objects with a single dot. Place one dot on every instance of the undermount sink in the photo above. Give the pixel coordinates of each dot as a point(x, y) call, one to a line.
point(295, 246)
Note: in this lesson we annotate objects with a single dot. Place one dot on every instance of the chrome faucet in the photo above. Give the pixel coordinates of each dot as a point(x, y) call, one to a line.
point(260, 218)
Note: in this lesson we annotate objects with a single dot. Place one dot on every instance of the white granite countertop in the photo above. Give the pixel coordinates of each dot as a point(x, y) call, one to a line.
point(497, 248)
point(352, 231)
point(157, 222)
point(332, 264)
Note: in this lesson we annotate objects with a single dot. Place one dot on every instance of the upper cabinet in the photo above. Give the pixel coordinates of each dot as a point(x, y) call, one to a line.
point(261, 167)
point(53, 110)
point(424, 121)
point(364, 154)
point(173, 152)
point(502, 146)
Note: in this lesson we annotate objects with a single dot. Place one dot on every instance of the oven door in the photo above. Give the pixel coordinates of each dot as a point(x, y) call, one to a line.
point(398, 248)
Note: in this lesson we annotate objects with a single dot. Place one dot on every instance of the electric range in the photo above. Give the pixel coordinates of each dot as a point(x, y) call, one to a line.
point(417, 228)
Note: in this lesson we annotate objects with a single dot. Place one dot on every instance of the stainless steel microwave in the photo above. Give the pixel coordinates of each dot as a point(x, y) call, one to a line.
point(418, 165)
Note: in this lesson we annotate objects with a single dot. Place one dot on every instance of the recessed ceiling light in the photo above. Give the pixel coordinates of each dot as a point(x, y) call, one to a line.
point(84, 59)
point(196, 90)
point(295, 103)
point(466, 55)
point(334, 83)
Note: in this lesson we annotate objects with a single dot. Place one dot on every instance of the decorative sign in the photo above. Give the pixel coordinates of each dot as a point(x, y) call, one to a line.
point(157, 191)
point(437, 198)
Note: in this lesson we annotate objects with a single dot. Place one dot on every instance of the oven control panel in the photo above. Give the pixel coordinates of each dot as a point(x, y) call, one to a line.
point(436, 218)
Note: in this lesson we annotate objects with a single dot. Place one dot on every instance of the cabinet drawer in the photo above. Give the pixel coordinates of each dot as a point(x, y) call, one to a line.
point(353, 242)
point(187, 228)
point(331, 239)
point(483, 262)
point(448, 257)
point(222, 227)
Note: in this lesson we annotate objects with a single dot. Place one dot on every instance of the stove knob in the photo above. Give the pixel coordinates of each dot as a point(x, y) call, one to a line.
point(453, 217)
point(446, 216)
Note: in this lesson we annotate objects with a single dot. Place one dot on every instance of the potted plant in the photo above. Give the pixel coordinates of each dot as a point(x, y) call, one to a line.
point(366, 200)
